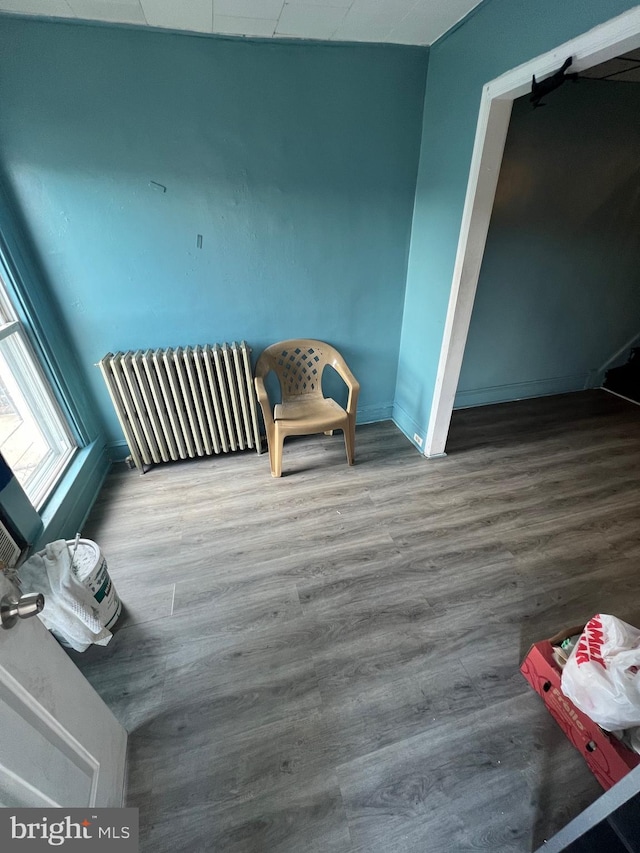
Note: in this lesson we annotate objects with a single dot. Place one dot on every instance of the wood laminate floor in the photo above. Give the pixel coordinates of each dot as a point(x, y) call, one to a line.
point(328, 663)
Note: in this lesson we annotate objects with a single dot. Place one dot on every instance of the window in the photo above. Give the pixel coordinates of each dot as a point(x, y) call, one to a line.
point(34, 437)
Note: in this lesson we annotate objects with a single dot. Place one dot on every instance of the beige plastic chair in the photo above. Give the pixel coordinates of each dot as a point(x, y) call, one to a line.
point(298, 365)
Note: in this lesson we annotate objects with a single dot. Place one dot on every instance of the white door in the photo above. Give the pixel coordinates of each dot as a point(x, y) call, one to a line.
point(59, 743)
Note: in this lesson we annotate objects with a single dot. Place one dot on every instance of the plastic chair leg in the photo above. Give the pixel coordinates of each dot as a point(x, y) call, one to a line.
point(350, 441)
point(275, 455)
point(275, 458)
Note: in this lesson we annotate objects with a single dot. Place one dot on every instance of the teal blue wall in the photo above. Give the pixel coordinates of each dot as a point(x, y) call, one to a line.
point(295, 162)
point(559, 288)
point(67, 507)
point(500, 35)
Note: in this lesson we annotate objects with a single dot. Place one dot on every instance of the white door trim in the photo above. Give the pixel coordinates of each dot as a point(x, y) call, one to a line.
point(605, 41)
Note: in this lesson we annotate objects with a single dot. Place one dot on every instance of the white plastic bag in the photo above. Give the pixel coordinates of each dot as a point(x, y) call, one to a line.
point(70, 609)
point(602, 675)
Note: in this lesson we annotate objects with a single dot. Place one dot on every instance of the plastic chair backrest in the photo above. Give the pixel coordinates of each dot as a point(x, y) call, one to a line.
point(298, 364)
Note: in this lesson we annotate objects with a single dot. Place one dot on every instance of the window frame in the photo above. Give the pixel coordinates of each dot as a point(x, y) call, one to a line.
point(18, 318)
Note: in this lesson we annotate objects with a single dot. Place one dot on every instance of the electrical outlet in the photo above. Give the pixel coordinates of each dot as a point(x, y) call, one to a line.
point(417, 439)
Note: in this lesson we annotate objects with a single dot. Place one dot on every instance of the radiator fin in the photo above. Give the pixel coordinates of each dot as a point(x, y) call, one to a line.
point(184, 402)
point(9, 549)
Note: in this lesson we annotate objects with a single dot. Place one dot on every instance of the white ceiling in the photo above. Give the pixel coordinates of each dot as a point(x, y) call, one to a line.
point(418, 22)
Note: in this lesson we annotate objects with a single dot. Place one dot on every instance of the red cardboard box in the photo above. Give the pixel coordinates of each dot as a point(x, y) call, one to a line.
point(608, 759)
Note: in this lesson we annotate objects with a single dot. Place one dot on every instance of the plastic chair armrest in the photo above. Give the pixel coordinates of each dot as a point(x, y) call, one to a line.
point(350, 381)
point(352, 402)
point(263, 399)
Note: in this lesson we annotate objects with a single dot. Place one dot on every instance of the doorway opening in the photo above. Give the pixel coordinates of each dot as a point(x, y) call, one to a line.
point(605, 42)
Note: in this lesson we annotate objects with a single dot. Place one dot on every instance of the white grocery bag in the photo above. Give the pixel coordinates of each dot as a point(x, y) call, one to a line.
point(70, 608)
point(602, 676)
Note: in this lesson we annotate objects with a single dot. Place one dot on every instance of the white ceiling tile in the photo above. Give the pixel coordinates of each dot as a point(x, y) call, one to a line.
point(361, 31)
point(342, 4)
point(426, 23)
point(257, 27)
point(305, 21)
point(193, 15)
point(416, 28)
point(390, 10)
point(265, 9)
point(399, 21)
point(54, 8)
point(372, 20)
point(118, 11)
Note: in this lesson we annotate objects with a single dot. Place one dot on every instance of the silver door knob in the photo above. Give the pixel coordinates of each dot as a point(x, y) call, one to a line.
point(12, 609)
